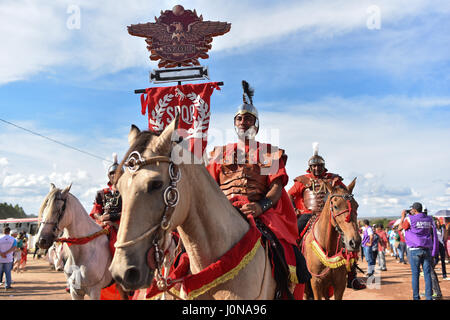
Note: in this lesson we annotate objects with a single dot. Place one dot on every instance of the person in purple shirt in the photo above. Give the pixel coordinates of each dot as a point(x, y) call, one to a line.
point(421, 240)
point(366, 243)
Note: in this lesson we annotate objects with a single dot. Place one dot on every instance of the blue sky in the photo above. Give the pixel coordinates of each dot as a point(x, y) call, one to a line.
point(376, 100)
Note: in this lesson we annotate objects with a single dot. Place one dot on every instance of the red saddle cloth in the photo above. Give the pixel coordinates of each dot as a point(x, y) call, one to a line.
point(218, 272)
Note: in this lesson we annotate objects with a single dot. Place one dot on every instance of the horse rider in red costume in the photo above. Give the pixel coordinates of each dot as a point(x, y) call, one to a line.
point(108, 206)
point(308, 195)
point(106, 212)
point(252, 175)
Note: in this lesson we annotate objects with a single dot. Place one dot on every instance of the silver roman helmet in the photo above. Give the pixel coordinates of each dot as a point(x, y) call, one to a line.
point(247, 106)
point(113, 168)
point(316, 159)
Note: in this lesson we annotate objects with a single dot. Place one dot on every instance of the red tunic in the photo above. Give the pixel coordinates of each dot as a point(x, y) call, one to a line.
point(98, 209)
point(281, 218)
point(111, 292)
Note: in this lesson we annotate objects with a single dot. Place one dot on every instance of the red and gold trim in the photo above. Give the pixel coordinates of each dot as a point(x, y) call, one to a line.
point(335, 261)
point(219, 272)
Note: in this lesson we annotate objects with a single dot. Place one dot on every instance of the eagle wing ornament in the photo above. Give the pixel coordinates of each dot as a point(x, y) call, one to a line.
point(179, 37)
point(151, 30)
point(201, 29)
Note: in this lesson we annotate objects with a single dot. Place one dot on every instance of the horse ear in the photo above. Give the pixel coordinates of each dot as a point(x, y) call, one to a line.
point(66, 190)
point(351, 186)
point(52, 186)
point(163, 144)
point(134, 131)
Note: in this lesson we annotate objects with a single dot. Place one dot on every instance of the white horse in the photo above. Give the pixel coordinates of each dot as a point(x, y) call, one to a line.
point(87, 266)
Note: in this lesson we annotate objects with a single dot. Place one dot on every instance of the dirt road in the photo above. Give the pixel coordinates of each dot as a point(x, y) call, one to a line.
point(40, 282)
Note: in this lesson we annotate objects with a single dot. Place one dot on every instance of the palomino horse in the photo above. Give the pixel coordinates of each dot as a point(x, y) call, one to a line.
point(209, 226)
point(331, 243)
point(87, 266)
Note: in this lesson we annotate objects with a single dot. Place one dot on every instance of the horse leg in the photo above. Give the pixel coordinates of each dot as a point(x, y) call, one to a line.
point(308, 295)
point(316, 289)
point(340, 283)
point(339, 293)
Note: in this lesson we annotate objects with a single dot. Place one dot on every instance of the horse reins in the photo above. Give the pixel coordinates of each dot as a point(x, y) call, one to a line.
point(170, 196)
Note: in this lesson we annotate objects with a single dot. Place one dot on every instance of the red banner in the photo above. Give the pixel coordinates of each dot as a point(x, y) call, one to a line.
point(190, 101)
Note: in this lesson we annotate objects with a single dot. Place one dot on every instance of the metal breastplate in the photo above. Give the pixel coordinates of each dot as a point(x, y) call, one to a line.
point(243, 179)
point(314, 196)
point(112, 202)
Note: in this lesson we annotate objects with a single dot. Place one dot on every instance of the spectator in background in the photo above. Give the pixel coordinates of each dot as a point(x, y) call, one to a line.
point(382, 245)
point(374, 244)
point(436, 288)
point(360, 228)
point(440, 231)
point(23, 256)
point(401, 248)
point(447, 238)
point(394, 239)
point(421, 239)
point(367, 247)
point(16, 254)
point(7, 247)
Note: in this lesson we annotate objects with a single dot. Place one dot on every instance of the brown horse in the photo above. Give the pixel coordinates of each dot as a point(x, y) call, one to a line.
point(331, 243)
point(159, 196)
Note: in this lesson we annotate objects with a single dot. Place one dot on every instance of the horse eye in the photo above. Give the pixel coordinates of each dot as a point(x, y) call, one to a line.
point(154, 185)
point(336, 207)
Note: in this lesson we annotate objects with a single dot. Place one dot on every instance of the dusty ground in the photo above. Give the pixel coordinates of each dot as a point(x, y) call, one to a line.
point(40, 282)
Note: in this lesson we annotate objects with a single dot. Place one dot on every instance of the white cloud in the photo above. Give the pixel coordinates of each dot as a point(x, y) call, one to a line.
point(3, 162)
point(38, 39)
point(32, 35)
point(369, 175)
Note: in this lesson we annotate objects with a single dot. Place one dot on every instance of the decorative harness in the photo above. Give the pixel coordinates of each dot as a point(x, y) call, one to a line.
point(341, 257)
point(170, 196)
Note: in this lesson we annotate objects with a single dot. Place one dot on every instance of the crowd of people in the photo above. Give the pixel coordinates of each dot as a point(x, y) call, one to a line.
point(416, 239)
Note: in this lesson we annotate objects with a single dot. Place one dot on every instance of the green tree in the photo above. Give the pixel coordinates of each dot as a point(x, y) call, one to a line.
point(10, 211)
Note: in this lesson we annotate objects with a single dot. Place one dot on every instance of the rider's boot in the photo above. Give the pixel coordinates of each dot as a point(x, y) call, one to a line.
point(353, 282)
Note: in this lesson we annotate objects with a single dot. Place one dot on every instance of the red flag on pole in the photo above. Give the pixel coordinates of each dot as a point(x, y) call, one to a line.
point(190, 101)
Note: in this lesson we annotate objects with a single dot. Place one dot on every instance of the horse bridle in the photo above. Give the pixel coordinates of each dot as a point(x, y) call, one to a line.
point(135, 162)
point(60, 213)
point(348, 198)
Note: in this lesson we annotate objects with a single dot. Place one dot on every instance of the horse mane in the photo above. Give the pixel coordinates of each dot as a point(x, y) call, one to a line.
point(50, 196)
